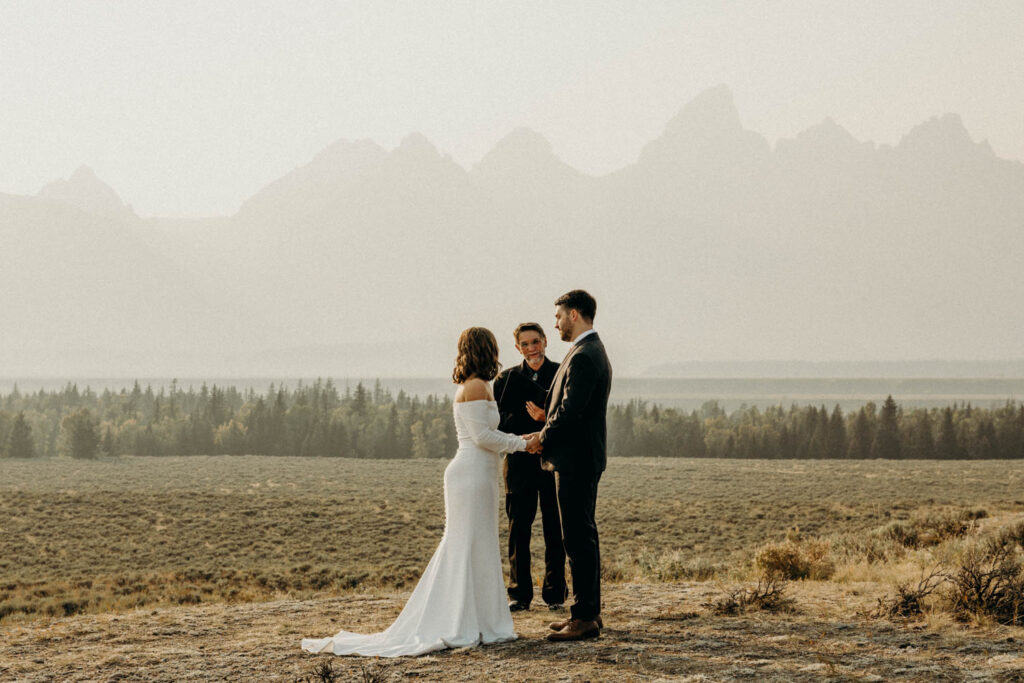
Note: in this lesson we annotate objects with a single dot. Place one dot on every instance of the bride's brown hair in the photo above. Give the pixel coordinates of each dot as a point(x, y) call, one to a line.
point(478, 355)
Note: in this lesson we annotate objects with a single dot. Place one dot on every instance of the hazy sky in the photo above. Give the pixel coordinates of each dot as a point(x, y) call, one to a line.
point(187, 108)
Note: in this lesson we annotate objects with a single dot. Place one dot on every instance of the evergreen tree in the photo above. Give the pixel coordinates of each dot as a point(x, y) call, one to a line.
point(420, 447)
point(107, 444)
point(693, 444)
point(817, 424)
point(921, 443)
point(1017, 448)
point(19, 441)
point(78, 432)
point(389, 444)
point(787, 443)
point(361, 401)
point(861, 437)
point(947, 447)
point(986, 439)
point(887, 438)
point(836, 434)
point(172, 404)
point(277, 426)
point(216, 412)
point(338, 440)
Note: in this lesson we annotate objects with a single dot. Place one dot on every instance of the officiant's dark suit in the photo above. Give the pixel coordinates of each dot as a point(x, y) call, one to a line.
point(525, 482)
point(574, 445)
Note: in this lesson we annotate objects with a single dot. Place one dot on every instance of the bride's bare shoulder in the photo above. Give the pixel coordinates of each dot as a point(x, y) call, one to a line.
point(473, 389)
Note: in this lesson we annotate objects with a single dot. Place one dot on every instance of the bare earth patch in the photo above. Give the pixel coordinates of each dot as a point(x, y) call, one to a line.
point(653, 632)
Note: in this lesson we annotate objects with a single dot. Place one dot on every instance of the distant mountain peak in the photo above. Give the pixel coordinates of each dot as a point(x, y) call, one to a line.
point(712, 109)
point(523, 138)
point(943, 134)
point(332, 165)
point(525, 156)
point(84, 190)
point(344, 157)
point(708, 125)
point(84, 174)
point(824, 137)
point(523, 150)
point(417, 146)
point(828, 127)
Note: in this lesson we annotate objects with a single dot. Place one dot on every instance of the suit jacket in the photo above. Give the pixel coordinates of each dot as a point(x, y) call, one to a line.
point(521, 471)
point(575, 435)
point(512, 408)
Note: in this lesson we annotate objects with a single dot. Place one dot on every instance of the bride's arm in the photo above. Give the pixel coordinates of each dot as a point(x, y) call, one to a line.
point(474, 416)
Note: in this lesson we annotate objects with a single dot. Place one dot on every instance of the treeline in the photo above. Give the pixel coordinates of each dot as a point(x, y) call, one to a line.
point(320, 420)
point(956, 432)
point(311, 420)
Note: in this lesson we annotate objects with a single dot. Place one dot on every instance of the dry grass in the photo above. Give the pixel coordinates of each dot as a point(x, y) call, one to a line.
point(133, 532)
point(132, 564)
point(654, 632)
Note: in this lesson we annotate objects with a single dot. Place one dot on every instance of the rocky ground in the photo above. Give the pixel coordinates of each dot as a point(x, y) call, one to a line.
point(653, 632)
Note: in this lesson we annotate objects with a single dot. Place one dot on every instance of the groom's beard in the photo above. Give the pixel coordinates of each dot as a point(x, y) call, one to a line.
point(566, 335)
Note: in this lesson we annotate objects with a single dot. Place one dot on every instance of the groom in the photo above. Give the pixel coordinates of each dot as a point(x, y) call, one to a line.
point(572, 444)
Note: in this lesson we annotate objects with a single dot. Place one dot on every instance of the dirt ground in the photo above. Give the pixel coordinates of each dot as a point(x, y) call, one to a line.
point(653, 632)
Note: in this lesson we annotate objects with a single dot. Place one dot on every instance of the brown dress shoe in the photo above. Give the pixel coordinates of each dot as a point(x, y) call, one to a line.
point(576, 629)
point(559, 625)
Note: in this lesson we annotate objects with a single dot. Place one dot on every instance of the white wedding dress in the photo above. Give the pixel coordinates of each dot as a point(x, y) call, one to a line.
point(460, 599)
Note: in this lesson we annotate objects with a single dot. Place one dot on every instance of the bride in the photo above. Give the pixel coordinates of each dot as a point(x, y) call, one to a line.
point(460, 599)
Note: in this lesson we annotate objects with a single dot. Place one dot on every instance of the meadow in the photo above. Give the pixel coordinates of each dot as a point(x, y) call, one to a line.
point(122, 533)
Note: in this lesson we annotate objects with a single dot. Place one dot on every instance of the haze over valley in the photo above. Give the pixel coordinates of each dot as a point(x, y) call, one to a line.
point(713, 246)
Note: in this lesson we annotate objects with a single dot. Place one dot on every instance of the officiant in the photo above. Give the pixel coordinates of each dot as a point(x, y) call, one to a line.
point(520, 392)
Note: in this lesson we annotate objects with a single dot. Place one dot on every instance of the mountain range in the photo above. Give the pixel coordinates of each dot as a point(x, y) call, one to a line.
point(714, 245)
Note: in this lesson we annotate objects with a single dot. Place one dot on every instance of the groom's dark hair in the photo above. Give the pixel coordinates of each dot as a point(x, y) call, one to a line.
point(581, 301)
point(529, 327)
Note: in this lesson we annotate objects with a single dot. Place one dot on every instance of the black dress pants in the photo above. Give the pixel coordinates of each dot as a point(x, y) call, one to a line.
point(577, 501)
point(521, 508)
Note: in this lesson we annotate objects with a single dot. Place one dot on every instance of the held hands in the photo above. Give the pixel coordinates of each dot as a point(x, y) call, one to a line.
point(533, 443)
point(535, 411)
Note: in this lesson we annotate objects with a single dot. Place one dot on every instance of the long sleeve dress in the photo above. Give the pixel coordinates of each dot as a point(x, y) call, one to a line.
point(460, 599)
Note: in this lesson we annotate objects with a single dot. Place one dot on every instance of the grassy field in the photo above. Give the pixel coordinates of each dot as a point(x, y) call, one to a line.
point(195, 568)
point(100, 536)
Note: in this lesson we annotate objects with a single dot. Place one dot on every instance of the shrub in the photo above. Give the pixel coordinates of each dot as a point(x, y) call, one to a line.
point(879, 547)
point(72, 607)
point(675, 566)
point(936, 527)
point(769, 595)
point(932, 527)
point(323, 672)
point(1012, 535)
point(909, 599)
point(10, 607)
point(612, 570)
point(796, 558)
point(901, 532)
point(989, 582)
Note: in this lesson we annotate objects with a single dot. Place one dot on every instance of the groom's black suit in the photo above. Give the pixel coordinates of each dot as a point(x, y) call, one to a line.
point(574, 440)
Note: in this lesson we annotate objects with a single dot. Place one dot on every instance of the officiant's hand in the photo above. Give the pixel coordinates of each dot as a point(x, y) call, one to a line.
point(535, 411)
point(533, 443)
